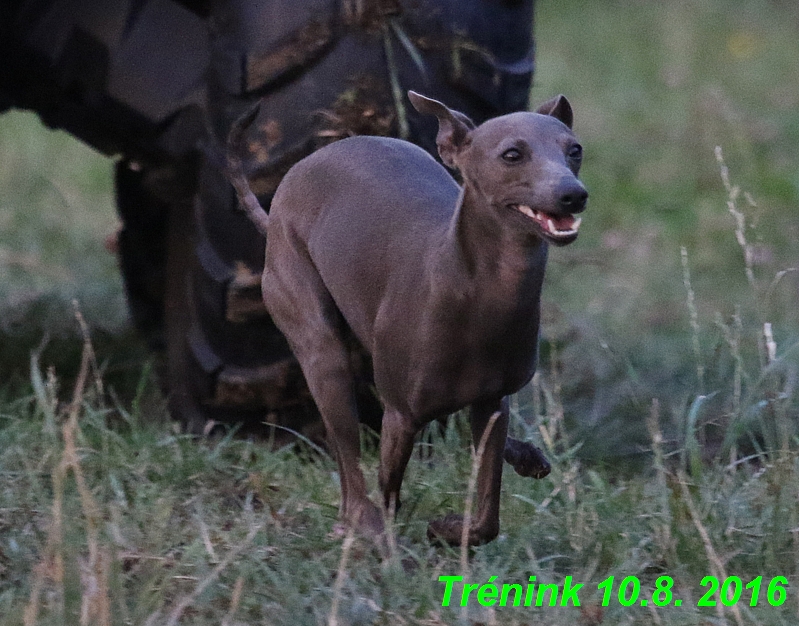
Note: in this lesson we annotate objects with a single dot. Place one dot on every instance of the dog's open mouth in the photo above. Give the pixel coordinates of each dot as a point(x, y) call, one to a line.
point(558, 228)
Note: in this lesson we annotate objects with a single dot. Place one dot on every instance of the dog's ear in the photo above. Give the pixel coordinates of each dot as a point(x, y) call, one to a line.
point(559, 108)
point(453, 127)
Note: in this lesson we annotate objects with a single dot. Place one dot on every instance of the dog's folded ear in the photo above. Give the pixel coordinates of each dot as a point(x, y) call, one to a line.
point(453, 127)
point(559, 108)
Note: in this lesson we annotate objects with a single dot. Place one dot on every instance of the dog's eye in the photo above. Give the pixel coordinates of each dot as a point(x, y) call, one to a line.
point(575, 151)
point(512, 155)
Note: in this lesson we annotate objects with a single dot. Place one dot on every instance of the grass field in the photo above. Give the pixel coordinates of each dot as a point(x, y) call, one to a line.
point(666, 397)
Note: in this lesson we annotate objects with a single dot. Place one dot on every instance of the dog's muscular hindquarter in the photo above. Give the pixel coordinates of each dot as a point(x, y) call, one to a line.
point(439, 283)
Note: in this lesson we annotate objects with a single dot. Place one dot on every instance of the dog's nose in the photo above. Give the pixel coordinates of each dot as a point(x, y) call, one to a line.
point(573, 197)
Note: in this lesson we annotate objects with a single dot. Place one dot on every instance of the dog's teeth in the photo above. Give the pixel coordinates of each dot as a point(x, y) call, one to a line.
point(547, 222)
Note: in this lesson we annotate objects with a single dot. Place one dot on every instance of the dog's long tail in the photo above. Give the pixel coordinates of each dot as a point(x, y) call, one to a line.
point(234, 170)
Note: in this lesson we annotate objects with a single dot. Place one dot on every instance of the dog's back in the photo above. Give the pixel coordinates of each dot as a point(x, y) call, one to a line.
point(363, 207)
point(388, 174)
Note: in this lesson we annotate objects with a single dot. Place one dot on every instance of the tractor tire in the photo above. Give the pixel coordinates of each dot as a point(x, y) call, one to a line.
point(129, 78)
point(322, 71)
point(156, 80)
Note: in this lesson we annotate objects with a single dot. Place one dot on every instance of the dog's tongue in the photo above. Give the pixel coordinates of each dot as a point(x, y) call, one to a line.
point(565, 222)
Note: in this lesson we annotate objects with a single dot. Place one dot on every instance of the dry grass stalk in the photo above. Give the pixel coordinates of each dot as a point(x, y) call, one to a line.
point(471, 488)
point(235, 598)
point(771, 345)
point(566, 482)
point(694, 315)
point(777, 279)
point(205, 534)
point(539, 410)
point(555, 399)
point(663, 529)
point(341, 574)
point(187, 600)
point(733, 193)
point(732, 335)
point(398, 96)
point(95, 604)
point(716, 564)
point(45, 392)
point(548, 406)
point(52, 563)
point(655, 616)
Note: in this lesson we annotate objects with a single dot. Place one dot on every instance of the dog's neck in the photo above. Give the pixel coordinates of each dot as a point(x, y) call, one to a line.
point(485, 248)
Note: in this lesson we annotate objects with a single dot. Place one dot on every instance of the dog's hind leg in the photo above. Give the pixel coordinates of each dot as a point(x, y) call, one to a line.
point(305, 313)
point(331, 383)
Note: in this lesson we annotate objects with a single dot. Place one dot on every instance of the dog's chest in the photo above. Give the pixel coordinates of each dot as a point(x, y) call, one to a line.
point(453, 356)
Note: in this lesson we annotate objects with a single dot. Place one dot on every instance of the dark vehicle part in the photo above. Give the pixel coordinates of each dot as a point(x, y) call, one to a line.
point(154, 80)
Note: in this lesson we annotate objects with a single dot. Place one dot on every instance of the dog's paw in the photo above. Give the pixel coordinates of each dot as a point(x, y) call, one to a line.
point(526, 459)
point(446, 530)
point(449, 530)
point(367, 519)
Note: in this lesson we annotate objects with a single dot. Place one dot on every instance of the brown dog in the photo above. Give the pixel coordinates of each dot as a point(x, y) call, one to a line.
point(371, 238)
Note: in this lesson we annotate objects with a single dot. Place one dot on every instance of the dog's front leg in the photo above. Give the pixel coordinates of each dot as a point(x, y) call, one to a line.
point(396, 445)
point(484, 525)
